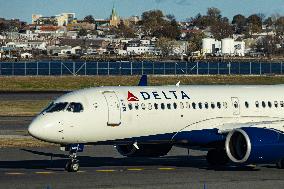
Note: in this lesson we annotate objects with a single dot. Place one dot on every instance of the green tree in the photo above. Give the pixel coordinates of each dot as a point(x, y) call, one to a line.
point(254, 23)
point(90, 19)
point(82, 32)
point(154, 23)
point(239, 22)
point(213, 14)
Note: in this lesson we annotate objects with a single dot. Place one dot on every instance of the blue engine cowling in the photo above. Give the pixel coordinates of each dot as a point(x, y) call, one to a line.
point(255, 145)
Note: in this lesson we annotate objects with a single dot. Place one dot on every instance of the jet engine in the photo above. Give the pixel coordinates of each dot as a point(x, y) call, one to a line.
point(145, 150)
point(255, 145)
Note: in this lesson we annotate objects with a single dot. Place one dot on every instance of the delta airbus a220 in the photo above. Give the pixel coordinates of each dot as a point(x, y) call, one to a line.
point(240, 124)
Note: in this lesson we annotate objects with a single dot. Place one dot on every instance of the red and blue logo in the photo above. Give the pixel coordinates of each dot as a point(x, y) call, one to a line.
point(132, 98)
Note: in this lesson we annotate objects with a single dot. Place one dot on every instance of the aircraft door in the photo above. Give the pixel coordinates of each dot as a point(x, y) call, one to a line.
point(114, 112)
point(236, 105)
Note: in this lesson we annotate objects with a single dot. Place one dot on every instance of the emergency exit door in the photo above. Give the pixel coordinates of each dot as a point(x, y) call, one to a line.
point(114, 113)
point(236, 105)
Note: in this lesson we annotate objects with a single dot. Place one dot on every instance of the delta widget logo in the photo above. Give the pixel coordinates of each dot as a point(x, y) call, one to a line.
point(131, 97)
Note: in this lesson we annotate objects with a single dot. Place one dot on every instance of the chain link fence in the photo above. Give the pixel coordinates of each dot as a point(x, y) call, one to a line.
point(57, 68)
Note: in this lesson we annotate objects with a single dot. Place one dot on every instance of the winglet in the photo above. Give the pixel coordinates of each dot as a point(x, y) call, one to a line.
point(178, 83)
point(143, 81)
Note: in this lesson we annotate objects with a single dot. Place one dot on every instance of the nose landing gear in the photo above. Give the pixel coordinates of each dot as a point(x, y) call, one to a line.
point(73, 164)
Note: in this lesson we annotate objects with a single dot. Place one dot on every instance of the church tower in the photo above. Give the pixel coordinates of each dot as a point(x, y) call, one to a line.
point(114, 18)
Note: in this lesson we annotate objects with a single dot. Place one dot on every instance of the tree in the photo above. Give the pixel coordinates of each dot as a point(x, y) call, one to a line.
point(166, 46)
point(280, 26)
point(82, 32)
point(154, 23)
point(254, 22)
point(240, 23)
point(214, 14)
point(90, 19)
point(124, 31)
point(221, 30)
point(195, 41)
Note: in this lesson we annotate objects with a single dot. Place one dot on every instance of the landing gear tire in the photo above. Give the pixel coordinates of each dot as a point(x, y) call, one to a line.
point(217, 157)
point(72, 166)
point(280, 164)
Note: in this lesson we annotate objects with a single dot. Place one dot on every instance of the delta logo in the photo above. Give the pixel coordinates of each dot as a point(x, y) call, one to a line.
point(168, 95)
point(131, 97)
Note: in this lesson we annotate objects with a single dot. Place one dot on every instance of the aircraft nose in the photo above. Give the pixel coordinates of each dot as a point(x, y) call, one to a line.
point(34, 130)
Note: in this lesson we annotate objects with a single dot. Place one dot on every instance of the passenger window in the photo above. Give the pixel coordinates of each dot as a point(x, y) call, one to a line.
point(187, 105)
point(156, 106)
point(206, 105)
point(130, 106)
point(175, 105)
point(200, 105)
point(150, 106)
point(136, 106)
point(193, 105)
point(247, 104)
point(143, 106)
point(263, 104)
point(75, 107)
point(57, 107)
point(257, 104)
point(276, 104)
point(269, 104)
point(162, 106)
point(169, 106)
point(181, 105)
point(282, 104)
point(212, 105)
point(219, 105)
point(225, 105)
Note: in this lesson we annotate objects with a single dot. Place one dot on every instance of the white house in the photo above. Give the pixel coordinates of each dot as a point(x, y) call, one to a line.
point(140, 50)
point(26, 55)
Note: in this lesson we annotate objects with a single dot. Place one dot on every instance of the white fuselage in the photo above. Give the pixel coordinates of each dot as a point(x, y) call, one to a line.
point(108, 116)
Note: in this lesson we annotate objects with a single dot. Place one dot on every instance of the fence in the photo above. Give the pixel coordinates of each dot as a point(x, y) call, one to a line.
point(55, 68)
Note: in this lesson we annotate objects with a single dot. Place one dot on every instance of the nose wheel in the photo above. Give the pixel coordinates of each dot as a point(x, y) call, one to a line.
point(73, 164)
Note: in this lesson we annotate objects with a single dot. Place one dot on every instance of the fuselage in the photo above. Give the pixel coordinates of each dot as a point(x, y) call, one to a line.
point(160, 114)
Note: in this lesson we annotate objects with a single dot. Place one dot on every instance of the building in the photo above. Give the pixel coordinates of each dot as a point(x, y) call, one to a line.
point(62, 19)
point(65, 18)
point(114, 18)
point(225, 47)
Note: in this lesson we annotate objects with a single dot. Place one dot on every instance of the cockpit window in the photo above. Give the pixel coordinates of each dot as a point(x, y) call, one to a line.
point(57, 107)
point(47, 108)
point(75, 107)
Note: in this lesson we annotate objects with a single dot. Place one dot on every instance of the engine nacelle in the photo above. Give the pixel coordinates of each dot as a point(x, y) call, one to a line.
point(145, 150)
point(255, 145)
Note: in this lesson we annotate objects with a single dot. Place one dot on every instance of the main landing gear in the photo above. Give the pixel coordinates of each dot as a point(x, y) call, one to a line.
point(217, 157)
point(73, 164)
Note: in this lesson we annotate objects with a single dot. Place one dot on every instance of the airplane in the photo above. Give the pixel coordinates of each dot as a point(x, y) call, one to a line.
point(237, 124)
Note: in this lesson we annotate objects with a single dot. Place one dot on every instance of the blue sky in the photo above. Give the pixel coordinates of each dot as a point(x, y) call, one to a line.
point(182, 9)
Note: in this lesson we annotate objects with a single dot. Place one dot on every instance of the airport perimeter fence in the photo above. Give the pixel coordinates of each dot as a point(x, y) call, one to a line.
point(57, 68)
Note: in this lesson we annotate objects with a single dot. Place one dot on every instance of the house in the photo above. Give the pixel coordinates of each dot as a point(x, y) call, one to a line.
point(26, 55)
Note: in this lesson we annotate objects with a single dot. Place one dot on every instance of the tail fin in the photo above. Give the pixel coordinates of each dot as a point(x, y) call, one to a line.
point(143, 81)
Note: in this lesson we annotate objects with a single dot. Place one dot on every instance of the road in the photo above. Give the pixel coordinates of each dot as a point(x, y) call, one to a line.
point(103, 167)
point(30, 95)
